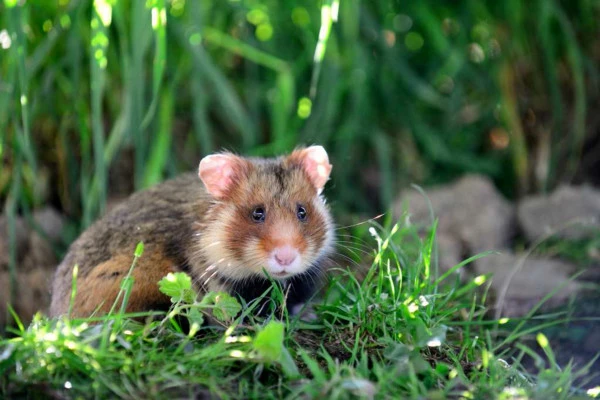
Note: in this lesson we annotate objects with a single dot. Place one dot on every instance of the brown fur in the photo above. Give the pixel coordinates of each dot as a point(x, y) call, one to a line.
point(161, 217)
point(185, 229)
point(104, 282)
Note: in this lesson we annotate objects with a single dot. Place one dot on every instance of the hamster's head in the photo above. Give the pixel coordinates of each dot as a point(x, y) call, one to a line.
point(266, 214)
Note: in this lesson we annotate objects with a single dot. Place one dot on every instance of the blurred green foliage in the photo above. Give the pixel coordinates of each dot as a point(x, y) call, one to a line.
point(103, 96)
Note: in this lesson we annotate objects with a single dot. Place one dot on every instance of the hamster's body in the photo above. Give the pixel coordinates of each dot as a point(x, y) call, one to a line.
point(240, 217)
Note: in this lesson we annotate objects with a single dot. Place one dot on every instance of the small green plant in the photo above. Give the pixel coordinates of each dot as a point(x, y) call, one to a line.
point(178, 286)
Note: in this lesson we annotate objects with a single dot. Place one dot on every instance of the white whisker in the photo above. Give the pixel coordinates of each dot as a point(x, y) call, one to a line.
point(360, 223)
point(210, 277)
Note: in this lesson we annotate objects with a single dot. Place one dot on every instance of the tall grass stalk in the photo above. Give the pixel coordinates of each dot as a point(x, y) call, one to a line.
point(511, 117)
point(100, 21)
point(140, 36)
point(159, 26)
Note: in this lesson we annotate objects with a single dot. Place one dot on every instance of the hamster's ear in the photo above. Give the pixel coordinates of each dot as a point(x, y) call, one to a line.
point(315, 162)
point(219, 172)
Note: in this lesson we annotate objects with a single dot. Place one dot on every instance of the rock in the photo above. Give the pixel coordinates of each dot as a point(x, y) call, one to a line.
point(50, 222)
point(33, 294)
point(450, 253)
point(36, 262)
point(21, 234)
point(470, 211)
point(568, 213)
point(33, 250)
point(592, 341)
point(534, 278)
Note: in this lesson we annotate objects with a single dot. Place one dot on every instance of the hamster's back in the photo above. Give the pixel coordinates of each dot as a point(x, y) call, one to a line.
point(162, 217)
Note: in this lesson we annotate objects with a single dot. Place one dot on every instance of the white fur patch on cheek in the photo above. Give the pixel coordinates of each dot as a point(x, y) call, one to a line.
point(213, 247)
point(254, 259)
point(227, 264)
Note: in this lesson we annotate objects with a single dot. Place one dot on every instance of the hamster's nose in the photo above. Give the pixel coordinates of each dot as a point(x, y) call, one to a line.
point(285, 255)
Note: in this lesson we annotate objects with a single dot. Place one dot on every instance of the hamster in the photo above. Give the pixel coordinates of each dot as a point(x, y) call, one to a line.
point(224, 226)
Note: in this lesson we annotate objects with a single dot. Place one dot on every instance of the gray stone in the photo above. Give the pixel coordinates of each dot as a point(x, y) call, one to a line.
point(473, 217)
point(21, 234)
point(470, 211)
point(450, 253)
point(568, 213)
point(27, 239)
point(36, 263)
point(33, 293)
point(33, 250)
point(519, 282)
point(50, 221)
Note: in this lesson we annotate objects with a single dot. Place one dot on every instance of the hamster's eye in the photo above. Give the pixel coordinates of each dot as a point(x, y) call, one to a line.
point(301, 213)
point(258, 214)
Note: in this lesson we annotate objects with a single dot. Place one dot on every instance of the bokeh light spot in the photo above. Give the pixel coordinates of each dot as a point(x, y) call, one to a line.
point(476, 53)
point(304, 107)
point(402, 23)
point(65, 21)
point(413, 41)
point(257, 16)
point(47, 25)
point(264, 32)
point(300, 17)
point(195, 39)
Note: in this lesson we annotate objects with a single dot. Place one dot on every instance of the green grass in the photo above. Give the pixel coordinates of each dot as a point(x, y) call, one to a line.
point(583, 252)
point(401, 331)
point(414, 90)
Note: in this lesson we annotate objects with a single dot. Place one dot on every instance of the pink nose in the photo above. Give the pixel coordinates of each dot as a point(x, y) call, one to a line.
point(285, 255)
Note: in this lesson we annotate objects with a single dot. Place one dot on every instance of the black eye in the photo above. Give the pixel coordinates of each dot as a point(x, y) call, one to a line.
point(258, 214)
point(301, 213)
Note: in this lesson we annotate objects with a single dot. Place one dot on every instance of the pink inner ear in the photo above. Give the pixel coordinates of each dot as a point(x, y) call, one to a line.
point(217, 173)
point(316, 164)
